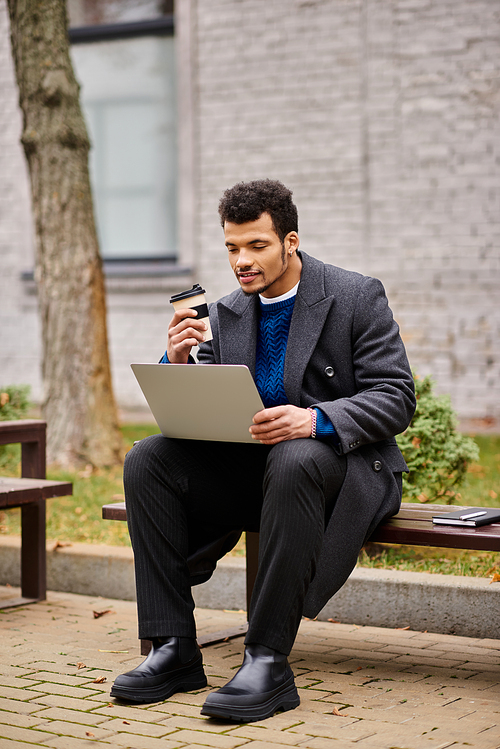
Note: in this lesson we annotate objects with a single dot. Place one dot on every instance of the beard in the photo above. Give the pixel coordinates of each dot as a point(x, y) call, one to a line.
point(265, 287)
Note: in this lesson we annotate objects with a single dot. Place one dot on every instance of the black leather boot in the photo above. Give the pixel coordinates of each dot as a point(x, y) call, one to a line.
point(174, 664)
point(263, 684)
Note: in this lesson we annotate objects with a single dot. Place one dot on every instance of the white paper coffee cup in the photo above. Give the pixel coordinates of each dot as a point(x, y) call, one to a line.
point(194, 299)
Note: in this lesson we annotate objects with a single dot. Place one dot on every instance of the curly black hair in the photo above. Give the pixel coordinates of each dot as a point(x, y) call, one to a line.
point(247, 201)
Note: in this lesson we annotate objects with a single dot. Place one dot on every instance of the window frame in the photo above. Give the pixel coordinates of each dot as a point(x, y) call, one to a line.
point(140, 267)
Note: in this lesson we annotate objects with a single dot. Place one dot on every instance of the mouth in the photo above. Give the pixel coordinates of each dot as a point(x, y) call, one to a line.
point(245, 277)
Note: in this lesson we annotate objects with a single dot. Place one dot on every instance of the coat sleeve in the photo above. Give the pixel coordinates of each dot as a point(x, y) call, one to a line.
point(384, 399)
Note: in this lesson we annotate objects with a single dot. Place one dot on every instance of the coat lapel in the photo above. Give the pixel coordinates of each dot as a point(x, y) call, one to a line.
point(238, 318)
point(309, 315)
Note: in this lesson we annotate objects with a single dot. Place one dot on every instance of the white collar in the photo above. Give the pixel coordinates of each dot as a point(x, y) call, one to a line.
point(280, 298)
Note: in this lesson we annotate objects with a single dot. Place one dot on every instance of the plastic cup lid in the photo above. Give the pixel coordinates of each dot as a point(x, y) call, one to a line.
point(195, 291)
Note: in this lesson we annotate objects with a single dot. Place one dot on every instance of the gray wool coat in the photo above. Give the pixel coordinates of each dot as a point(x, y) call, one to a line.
point(344, 356)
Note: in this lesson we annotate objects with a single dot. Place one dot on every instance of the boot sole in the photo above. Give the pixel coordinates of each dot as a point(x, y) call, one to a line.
point(179, 682)
point(287, 699)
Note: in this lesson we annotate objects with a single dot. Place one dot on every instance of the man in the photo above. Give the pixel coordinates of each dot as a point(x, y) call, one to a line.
point(333, 375)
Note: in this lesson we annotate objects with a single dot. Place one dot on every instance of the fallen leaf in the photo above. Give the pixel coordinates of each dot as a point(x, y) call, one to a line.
point(416, 441)
point(423, 497)
point(495, 578)
point(334, 621)
point(336, 711)
point(493, 494)
point(359, 668)
point(81, 665)
point(61, 545)
point(89, 733)
point(99, 680)
point(4, 399)
point(110, 704)
point(98, 614)
point(408, 627)
point(127, 723)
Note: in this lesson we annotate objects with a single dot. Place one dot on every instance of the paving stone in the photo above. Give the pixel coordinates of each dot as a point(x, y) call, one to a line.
point(18, 682)
point(482, 666)
point(263, 744)
point(50, 688)
point(70, 742)
point(17, 733)
point(199, 723)
point(256, 733)
point(15, 706)
point(11, 744)
point(208, 739)
point(58, 700)
point(400, 703)
point(142, 728)
point(73, 716)
point(18, 719)
point(65, 728)
point(133, 741)
point(116, 710)
point(61, 678)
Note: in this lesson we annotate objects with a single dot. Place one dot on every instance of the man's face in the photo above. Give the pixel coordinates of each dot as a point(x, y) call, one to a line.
point(260, 261)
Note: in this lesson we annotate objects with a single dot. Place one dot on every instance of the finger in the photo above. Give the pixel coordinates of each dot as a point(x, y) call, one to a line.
point(181, 314)
point(186, 323)
point(270, 433)
point(189, 334)
point(268, 414)
point(273, 440)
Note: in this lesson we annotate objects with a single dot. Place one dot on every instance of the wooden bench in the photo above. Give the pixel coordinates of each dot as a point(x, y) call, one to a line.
point(412, 525)
point(30, 493)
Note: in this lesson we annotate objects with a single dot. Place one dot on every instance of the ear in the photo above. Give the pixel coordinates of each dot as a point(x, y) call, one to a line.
point(292, 242)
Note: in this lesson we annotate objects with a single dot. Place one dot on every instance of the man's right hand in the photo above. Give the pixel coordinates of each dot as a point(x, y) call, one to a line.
point(184, 332)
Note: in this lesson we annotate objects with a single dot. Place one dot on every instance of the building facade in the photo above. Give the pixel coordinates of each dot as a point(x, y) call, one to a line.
point(382, 116)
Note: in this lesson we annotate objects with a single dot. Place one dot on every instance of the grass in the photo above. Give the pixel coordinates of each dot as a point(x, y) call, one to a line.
point(482, 488)
point(78, 518)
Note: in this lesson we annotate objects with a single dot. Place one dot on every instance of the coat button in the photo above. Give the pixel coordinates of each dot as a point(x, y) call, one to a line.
point(377, 465)
point(329, 371)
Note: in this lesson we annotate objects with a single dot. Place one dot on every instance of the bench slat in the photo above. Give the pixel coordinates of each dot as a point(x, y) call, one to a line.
point(412, 525)
point(15, 492)
point(115, 511)
point(425, 533)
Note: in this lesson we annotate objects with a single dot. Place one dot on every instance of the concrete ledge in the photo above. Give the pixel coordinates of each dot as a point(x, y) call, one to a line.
point(445, 604)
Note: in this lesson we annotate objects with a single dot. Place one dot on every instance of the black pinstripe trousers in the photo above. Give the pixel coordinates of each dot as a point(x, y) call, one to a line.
point(182, 494)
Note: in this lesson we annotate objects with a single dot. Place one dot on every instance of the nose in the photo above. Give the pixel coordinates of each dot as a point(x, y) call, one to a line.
point(245, 260)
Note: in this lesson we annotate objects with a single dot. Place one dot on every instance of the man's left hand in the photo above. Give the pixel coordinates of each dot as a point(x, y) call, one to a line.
point(272, 425)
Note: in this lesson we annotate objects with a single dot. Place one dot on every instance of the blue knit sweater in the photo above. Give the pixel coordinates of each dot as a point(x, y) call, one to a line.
point(272, 338)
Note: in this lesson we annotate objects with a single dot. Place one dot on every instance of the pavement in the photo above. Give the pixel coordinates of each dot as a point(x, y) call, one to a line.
point(360, 686)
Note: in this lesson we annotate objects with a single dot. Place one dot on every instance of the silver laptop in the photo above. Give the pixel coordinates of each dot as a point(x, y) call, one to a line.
point(201, 401)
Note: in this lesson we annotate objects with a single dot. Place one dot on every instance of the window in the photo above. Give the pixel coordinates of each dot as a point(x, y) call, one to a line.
point(128, 98)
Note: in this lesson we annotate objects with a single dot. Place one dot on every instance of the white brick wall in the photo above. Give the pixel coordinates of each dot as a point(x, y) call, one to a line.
point(381, 115)
point(383, 118)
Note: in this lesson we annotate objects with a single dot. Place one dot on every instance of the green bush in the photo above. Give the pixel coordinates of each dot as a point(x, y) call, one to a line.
point(436, 453)
point(14, 404)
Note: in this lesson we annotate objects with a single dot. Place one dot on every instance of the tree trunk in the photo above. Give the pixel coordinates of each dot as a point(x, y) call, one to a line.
point(78, 401)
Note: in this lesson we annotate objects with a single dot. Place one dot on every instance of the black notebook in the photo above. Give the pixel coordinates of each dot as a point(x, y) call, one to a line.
point(469, 516)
